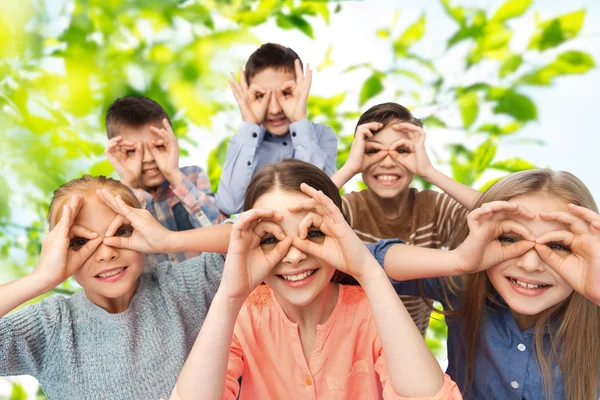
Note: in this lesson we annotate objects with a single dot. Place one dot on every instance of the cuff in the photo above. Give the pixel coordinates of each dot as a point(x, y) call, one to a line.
point(249, 134)
point(449, 391)
point(302, 132)
point(380, 248)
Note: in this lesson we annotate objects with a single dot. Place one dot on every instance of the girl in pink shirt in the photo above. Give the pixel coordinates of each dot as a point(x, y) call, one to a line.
point(303, 335)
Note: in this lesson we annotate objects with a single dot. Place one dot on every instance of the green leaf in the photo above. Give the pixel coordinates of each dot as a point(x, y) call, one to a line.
point(18, 392)
point(216, 160)
point(456, 13)
point(489, 184)
point(514, 104)
point(511, 9)
point(410, 74)
point(295, 21)
point(568, 63)
point(383, 33)
point(432, 120)
point(411, 35)
point(371, 88)
point(103, 167)
point(510, 65)
point(513, 165)
point(469, 108)
point(483, 155)
point(555, 31)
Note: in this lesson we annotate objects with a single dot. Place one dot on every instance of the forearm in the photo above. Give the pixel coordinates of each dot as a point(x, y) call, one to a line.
point(205, 370)
point(16, 293)
point(413, 370)
point(342, 176)
point(403, 262)
point(212, 239)
point(465, 195)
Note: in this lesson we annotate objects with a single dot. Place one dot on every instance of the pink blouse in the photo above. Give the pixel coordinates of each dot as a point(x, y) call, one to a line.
point(347, 360)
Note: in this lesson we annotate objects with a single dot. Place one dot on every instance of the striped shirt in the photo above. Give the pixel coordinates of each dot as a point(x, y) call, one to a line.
point(430, 222)
point(196, 195)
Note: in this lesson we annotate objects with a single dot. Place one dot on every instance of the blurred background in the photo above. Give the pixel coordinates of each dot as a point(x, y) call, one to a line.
point(501, 86)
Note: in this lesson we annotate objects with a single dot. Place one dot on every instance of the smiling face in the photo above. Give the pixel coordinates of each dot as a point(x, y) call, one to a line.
point(270, 78)
point(387, 179)
point(110, 275)
point(298, 278)
point(527, 284)
point(151, 175)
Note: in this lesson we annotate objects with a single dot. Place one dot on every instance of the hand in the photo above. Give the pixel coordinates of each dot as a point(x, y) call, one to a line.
point(247, 264)
point(293, 95)
point(411, 154)
point(485, 247)
point(253, 102)
point(126, 158)
point(165, 151)
point(363, 155)
point(148, 235)
point(341, 248)
point(66, 248)
point(579, 266)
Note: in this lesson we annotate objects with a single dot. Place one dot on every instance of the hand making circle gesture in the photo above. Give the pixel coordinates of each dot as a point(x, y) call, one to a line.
point(411, 153)
point(165, 150)
point(126, 158)
point(253, 101)
point(293, 95)
point(363, 155)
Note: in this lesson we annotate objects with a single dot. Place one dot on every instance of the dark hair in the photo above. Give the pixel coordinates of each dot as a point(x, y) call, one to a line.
point(288, 174)
point(271, 55)
point(134, 111)
point(386, 113)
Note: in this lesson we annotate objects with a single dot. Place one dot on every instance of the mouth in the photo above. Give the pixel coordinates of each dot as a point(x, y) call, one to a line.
point(111, 275)
point(151, 172)
point(528, 288)
point(299, 279)
point(387, 179)
point(277, 121)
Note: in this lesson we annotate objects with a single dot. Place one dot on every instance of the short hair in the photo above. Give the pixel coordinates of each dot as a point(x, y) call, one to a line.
point(386, 113)
point(133, 111)
point(87, 184)
point(271, 55)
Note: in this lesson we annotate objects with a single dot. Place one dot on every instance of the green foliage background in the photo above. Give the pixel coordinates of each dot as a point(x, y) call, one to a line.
point(61, 67)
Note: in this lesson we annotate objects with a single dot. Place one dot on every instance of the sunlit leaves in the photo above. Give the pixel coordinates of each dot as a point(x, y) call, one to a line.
point(557, 30)
point(216, 159)
point(469, 108)
point(371, 87)
point(511, 9)
point(410, 36)
point(456, 13)
point(569, 62)
point(513, 165)
point(510, 65)
point(510, 102)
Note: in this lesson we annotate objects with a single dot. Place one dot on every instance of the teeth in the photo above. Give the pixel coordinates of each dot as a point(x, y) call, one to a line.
point(111, 273)
point(151, 171)
point(298, 277)
point(526, 285)
point(387, 177)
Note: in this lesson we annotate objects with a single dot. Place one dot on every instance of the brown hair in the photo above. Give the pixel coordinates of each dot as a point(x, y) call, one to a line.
point(271, 55)
point(133, 111)
point(288, 175)
point(386, 113)
point(573, 325)
point(84, 185)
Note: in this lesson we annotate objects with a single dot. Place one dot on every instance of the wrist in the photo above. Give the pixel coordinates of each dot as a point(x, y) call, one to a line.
point(373, 274)
point(429, 174)
point(298, 117)
point(175, 176)
point(233, 303)
point(39, 284)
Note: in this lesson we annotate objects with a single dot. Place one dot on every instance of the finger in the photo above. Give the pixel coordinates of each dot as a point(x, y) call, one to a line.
point(575, 223)
point(115, 224)
point(119, 242)
point(561, 236)
point(236, 90)
point(298, 70)
point(550, 257)
point(64, 224)
point(478, 213)
point(138, 155)
point(307, 205)
point(264, 102)
point(309, 220)
point(163, 133)
point(408, 126)
point(167, 126)
point(126, 210)
point(596, 226)
point(510, 226)
point(332, 210)
point(108, 198)
point(509, 208)
point(374, 158)
point(585, 213)
point(243, 82)
point(266, 227)
point(308, 247)
point(516, 249)
point(279, 96)
point(288, 85)
point(75, 203)
point(276, 255)
point(370, 126)
point(85, 252)
point(402, 143)
point(80, 231)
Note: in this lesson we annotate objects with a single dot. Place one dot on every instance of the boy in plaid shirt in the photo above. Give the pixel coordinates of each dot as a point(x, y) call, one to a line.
point(144, 151)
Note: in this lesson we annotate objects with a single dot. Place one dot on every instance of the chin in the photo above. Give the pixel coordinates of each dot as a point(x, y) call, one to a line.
point(280, 130)
point(154, 182)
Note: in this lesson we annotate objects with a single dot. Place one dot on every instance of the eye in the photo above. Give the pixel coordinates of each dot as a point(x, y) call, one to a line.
point(269, 239)
point(315, 234)
point(402, 150)
point(287, 93)
point(259, 96)
point(371, 151)
point(558, 247)
point(130, 152)
point(125, 231)
point(77, 243)
point(507, 239)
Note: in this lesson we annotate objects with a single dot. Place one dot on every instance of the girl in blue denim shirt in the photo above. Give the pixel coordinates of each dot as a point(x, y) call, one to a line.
point(523, 317)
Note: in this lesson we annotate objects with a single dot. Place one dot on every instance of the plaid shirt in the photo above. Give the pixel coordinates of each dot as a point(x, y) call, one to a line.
point(195, 194)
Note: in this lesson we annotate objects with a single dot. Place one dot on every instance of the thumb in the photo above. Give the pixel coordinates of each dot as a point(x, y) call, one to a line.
point(516, 249)
point(279, 252)
point(549, 257)
point(119, 242)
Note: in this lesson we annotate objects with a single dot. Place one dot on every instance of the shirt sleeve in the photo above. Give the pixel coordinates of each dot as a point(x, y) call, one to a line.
point(235, 369)
point(26, 337)
point(195, 193)
point(315, 144)
point(143, 197)
point(239, 167)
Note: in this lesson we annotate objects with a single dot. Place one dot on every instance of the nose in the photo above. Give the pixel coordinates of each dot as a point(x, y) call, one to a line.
point(531, 262)
point(106, 253)
point(274, 106)
point(147, 156)
point(294, 256)
point(387, 162)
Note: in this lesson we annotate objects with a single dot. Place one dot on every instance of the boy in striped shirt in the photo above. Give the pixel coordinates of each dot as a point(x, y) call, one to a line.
point(389, 150)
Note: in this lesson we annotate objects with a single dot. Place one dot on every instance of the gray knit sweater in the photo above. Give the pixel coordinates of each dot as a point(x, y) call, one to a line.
point(78, 351)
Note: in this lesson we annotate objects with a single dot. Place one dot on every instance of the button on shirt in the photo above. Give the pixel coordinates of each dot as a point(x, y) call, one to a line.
point(506, 367)
point(252, 147)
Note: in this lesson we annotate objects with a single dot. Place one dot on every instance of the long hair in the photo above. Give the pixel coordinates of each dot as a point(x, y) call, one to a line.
point(83, 185)
point(573, 325)
point(288, 175)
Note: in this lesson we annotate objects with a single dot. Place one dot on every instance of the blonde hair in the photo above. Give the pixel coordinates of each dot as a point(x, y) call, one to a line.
point(575, 339)
point(87, 184)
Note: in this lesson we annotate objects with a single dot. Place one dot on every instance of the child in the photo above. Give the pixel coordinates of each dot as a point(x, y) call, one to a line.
point(302, 335)
point(522, 324)
point(389, 149)
point(272, 96)
point(144, 151)
point(127, 334)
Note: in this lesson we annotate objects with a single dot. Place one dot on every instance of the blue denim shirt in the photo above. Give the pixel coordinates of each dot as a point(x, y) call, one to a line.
point(506, 366)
